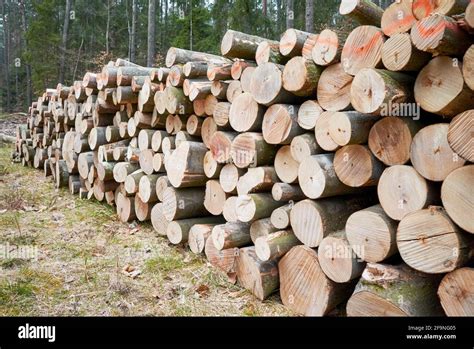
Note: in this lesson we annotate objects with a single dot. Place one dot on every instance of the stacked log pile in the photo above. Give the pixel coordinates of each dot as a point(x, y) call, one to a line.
point(333, 168)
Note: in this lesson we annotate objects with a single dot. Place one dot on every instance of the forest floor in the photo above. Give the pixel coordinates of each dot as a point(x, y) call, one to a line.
point(8, 122)
point(84, 262)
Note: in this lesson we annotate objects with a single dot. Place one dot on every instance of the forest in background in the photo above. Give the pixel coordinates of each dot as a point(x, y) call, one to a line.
point(44, 42)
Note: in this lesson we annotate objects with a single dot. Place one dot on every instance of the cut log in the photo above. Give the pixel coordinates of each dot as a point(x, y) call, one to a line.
point(285, 166)
point(246, 79)
point(224, 260)
point(215, 197)
point(260, 278)
point(178, 231)
point(97, 137)
point(334, 88)
point(161, 185)
point(230, 235)
point(229, 178)
point(423, 8)
point(219, 89)
point(160, 224)
point(304, 288)
point(266, 85)
point(328, 47)
point(431, 154)
point(310, 42)
point(321, 132)
point(84, 162)
point(301, 76)
point(181, 56)
point(193, 125)
point(146, 161)
point(440, 35)
point(356, 166)
point(261, 228)
point(125, 208)
point(222, 113)
point(459, 135)
point(275, 245)
point(212, 168)
point(257, 179)
point(144, 139)
point(318, 179)
point(142, 209)
point(185, 165)
point(239, 67)
point(455, 292)
point(303, 146)
point(220, 146)
point(389, 290)
point(391, 137)
point(255, 206)
point(177, 102)
point(132, 182)
point(313, 220)
point(382, 92)
point(219, 72)
point(123, 169)
point(362, 11)
point(402, 190)
point(350, 127)
point(362, 49)
point(246, 114)
point(287, 192)
point(468, 63)
point(198, 235)
point(280, 124)
point(235, 44)
point(398, 18)
point(308, 114)
point(269, 52)
point(430, 242)
point(250, 148)
point(147, 188)
point(229, 212)
point(234, 90)
point(280, 217)
point(158, 162)
point(456, 196)
point(399, 54)
point(157, 140)
point(292, 42)
point(183, 203)
point(105, 170)
point(210, 104)
point(372, 234)
point(337, 259)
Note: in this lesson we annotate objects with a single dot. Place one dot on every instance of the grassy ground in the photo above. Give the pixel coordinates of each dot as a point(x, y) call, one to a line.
point(80, 251)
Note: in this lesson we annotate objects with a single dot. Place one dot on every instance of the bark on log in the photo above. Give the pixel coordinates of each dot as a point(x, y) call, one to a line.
point(399, 54)
point(287, 192)
point(255, 206)
point(275, 245)
point(268, 51)
point(301, 76)
point(249, 148)
point(230, 235)
point(321, 132)
point(292, 42)
point(280, 217)
point(257, 179)
point(182, 56)
point(235, 44)
point(350, 127)
point(365, 12)
point(183, 203)
point(178, 230)
point(303, 146)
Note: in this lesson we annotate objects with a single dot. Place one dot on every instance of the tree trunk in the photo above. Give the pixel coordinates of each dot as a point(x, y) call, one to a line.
point(151, 42)
point(6, 51)
point(62, 59)
point(309, 16)
point(290, 14)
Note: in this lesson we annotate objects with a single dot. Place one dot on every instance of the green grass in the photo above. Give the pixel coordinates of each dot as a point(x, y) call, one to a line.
point(164, 264)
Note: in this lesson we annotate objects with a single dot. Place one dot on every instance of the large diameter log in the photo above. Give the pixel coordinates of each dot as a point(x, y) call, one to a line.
point(429, 241)
point(269, 52)
point(246, 114)
point(321, 132)
point(287, 192)
point(301, 76)
point(337, 259)
point(185, 165)
point(285, 166)
point(123, 169)
point(377, 91)
point(362, 49)
point(334, 88)
point(459, 135)
point(440, 35)
point(372, 234)
point(402, 190)
point(303, 146)
point(455, 292)
point(362, 11)
point(260, 278)
point(308, 114)
point(280, 124)
point(328, 47)
point(215, 197)
point(292, 42)
point(350, 127)
point(389, 290)
point(257, 179)
point(198, 235)
point(313, 220)
point(267, 85)
point(356, 166)
point(230, 235)
point(183, 203)
point(440, 88)
point(178, 231)
point(182, 56)
point(125, 207)
point(398, 18)
point(275, 245)
point(399, 54)
point(423, 8)
point(468, 62)
point(255, 206)
point(310, 42)
point(250, 148)
point(317, 178)
point(304, 288)
point(431, 154)
point(456, 196)
point(235, 44)
point(390, 139)
point(224, 260)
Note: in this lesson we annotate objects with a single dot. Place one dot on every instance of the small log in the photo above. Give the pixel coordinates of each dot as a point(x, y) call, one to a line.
point(214, 198)
point(321, 132)
point(132, 181)
point(287, 192)
point(158, 163)
point(350, 127)
point(210, 104)
point(217, 72)
point(308, 113)
point(388, 290)
point(328, 47)
point(195, 69)
point(365, 12)
point(275, 245)
point(261, 228)
point(193, 125)
point(235, 44)
point(423, 8)
point(399, 54)
point(468, 63)
point(307, 50)
point(292, 42)
point(219, 89)
point(257, 179)
point(147, 188)
point(304, 288)
point(280, 217)
point(398, 18)
point(146, 161)
point(144, 139)
point(142, 209)
point(268, 51)
point(456, 198)
point(459, 135)
point(160, 224)
point(123, 169)
point(183, 203)
point(234, 90)
point(230, 235)
point(301, 76)
point(161, 185)
point(455, 292)
point(178, 230)
point(246, 79)
point(372, 234)
point(431, 154)
point(337, 259)
point(185, 165)
point(125, 208)
point(229, 212)
point(220, 146)
point(255, 206)
point(286, 167)
point(212, 168)
point(303, 146)
point(181, 56)
point(224, 260)
point(334, 89)
point(260, 278)
point(222, 114)
point(250, 148)
point(280, 124)
point(229, 178)
point(246, 114)
point(198, 235)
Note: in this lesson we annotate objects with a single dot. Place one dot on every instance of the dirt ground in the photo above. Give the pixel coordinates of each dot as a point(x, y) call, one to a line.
point(83, 262)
